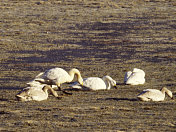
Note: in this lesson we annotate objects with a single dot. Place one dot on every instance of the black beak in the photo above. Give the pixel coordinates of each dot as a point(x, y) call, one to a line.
point(115, 86)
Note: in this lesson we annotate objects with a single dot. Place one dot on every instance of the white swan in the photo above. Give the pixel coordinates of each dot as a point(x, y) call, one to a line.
point(137, 76)
point(33, 93)
point(95, 83)
point(154, 94)
point(57, 76)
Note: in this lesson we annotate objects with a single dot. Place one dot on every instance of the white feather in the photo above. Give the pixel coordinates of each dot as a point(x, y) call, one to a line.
point(95, 83)
point(136, 77)
point(33, 93)
point(154, 94)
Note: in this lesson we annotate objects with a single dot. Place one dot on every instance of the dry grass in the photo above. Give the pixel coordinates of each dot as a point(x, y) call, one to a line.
point(98, 37)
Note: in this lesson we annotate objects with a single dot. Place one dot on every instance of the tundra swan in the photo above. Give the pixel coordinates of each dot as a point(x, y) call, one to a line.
point(33, 93)
point(95, 83)
point(57, 76)
point(154, 94)
point(137, 76)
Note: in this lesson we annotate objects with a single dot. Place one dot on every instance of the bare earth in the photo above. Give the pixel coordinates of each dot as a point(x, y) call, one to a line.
point(99, 37)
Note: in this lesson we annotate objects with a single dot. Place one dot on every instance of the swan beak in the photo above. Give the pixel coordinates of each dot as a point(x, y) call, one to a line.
point(115, 86)
point(82, 84)
point(172, 98)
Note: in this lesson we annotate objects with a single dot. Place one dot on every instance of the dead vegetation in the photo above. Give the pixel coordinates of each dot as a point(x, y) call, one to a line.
point(98, 37)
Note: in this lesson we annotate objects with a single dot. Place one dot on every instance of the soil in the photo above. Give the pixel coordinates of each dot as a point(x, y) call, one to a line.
point(98, 37)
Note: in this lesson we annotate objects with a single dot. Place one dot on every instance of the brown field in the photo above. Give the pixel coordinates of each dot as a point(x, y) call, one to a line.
point(99, 37)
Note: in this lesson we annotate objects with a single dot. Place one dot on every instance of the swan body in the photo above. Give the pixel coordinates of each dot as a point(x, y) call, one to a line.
point(33, 93)
point(57, 76)
point(135, 77)
point(154, 94)
point(95, 83)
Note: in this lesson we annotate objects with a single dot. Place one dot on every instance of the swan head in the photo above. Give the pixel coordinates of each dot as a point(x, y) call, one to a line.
point(23, 95)
point(80, 80)
point(169, 93)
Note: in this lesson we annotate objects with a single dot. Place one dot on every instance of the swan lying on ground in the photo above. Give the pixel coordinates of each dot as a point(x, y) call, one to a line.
point(154, 94)
point(33, 93)
point(57, 76)
point(137, 76)
point(95, 83)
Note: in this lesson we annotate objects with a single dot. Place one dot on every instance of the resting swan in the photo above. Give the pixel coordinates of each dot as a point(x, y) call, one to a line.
point(57, 76)
point(137, 76)
point(154, 94)
point(95, 83)
point(33, 93)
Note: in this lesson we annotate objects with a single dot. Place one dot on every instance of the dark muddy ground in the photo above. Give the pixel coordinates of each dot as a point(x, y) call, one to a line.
point(99, 37)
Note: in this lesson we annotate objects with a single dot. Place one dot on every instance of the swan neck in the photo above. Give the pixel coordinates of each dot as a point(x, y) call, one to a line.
point(71, 76)
point(45, 89)
point(168, 92)
point(108, 85)
point(52, 91)
point(163, 90)
point(72, 73)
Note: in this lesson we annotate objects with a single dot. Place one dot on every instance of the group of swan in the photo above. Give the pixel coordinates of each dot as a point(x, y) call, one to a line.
point(56, 76)
point(53, 78)
point(136, 77)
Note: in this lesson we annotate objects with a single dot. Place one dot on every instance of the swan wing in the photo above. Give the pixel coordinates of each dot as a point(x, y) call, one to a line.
point(135, 79)
point(57, 74)
point(90, 83)
point(152, 94)
point(32, 93)
point(94, 83)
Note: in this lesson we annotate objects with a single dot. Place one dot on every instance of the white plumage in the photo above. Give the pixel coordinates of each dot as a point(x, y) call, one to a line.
point(136, 77)
point(154, 94)
point(95, 83)
point(33, 93)
point(57, 76)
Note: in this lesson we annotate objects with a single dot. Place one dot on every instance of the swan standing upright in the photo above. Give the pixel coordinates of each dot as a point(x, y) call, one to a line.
point(154, 94)
point(95, 83)
point(137, 76)
point(57, 76)
point(33, 93)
